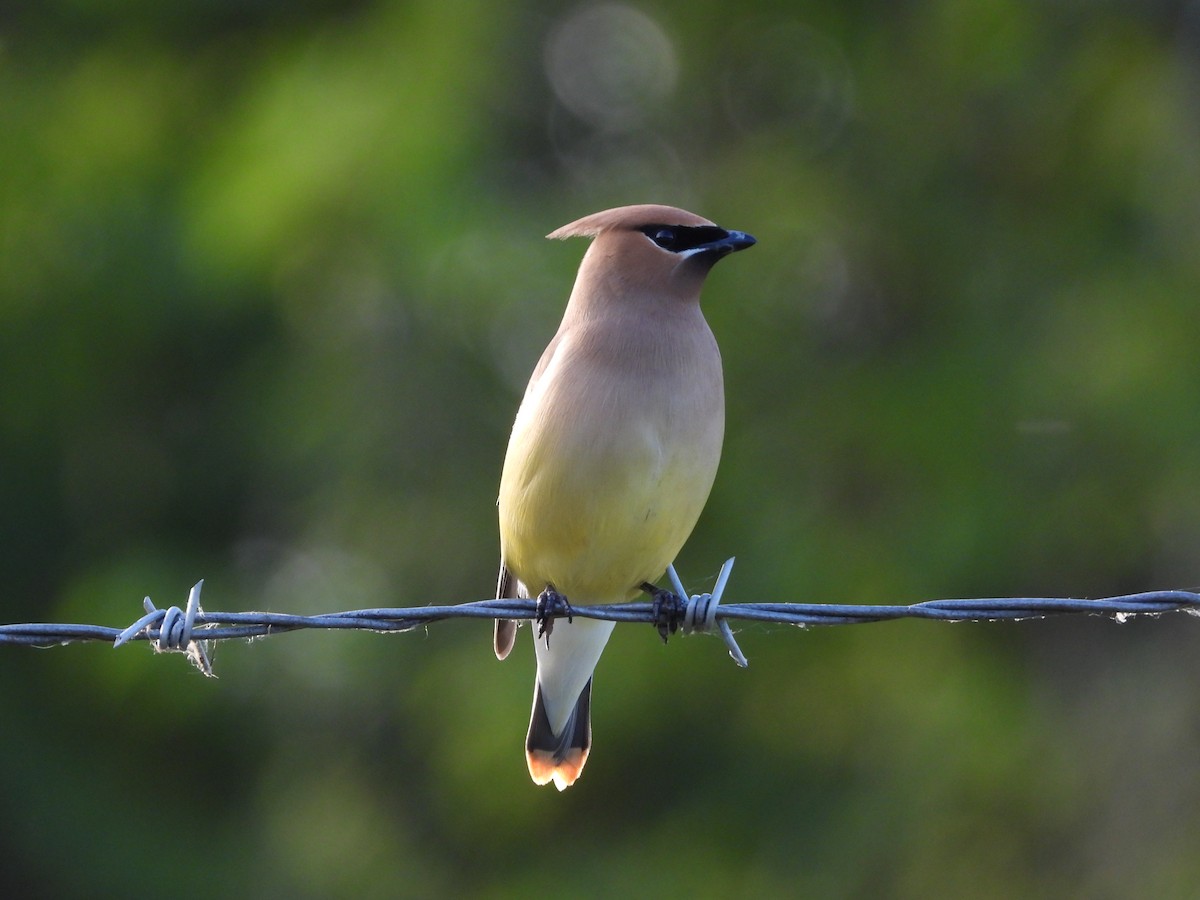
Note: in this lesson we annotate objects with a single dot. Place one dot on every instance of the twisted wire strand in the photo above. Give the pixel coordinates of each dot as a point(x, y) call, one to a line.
point(189, 631)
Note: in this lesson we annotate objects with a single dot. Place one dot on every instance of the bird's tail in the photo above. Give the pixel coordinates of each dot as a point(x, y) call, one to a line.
point(560, 726)
point(559, 757)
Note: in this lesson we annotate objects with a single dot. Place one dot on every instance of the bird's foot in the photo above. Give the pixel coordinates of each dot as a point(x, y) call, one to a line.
point(550, 604)
point(669, 609)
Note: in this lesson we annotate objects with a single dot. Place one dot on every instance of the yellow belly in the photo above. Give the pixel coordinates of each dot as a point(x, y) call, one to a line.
point(597, 516)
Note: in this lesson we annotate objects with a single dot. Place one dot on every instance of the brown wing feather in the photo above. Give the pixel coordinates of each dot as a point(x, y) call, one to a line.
point(505, 634)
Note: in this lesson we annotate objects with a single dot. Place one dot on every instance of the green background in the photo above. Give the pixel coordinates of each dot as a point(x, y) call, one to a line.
point(272, 280)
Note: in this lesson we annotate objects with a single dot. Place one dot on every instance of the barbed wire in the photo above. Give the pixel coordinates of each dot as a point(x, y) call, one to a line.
point(190, 630)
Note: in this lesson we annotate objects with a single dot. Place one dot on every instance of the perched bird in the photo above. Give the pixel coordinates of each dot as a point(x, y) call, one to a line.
point(612, 454)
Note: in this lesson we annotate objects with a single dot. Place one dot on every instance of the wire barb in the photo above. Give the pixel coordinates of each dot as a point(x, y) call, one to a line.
point(701, 613)
point(174, 630)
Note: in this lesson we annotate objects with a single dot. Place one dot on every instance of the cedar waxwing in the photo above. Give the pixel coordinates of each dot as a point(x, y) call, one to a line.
point(613, 452)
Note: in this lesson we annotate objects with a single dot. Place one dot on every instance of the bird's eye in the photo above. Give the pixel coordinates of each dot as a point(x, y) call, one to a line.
point(664, 237)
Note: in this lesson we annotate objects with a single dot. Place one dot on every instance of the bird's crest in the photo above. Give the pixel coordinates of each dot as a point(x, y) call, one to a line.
point(627, 218)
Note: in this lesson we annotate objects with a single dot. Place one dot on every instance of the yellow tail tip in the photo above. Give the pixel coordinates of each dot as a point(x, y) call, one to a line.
point(543, 768)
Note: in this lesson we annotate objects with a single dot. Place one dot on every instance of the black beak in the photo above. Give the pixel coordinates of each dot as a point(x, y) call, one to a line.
point(731, 243)
point(739, 240)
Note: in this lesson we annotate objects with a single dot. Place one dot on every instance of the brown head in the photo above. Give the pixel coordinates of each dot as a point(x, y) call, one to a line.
point(648, 248)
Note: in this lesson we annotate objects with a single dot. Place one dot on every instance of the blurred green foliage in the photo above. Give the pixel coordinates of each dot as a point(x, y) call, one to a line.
point(271, 282)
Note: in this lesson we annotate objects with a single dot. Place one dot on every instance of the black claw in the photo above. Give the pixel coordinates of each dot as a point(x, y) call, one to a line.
point(668, 609)
point(550, 604)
